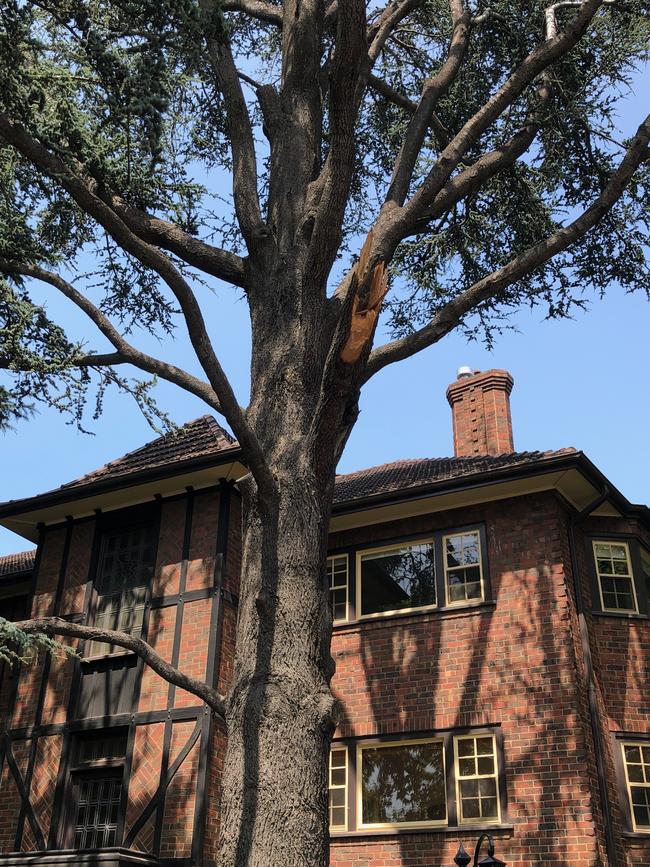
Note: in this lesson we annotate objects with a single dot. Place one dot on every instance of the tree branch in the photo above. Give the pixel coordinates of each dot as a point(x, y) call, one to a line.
point(83, 191)
point(212, 260)
point(432, 90)
point(333, 185)
point(67, 629)
point(258, 9)
point(398, 223)
point(485, 167)
point(126, 352)
point(242, 143)
point(385, 24)
point(451, 314)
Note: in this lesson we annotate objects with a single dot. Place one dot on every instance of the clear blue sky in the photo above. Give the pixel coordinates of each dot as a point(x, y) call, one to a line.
point(581, 382)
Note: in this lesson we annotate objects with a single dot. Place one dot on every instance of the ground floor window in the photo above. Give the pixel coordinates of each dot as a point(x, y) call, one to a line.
point(445, 779)
point(96, 784)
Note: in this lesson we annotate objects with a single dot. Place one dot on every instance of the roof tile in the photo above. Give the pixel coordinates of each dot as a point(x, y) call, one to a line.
point(203, 436)
point(14, 564)
point(404, 475)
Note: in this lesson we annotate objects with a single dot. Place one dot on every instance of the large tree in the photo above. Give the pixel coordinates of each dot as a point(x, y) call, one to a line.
point(442, 161)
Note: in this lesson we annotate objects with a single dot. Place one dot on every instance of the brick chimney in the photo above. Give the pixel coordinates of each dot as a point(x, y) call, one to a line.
point(480, 408)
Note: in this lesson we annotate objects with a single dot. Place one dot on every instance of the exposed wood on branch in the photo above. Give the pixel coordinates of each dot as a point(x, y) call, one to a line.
point(489, 288)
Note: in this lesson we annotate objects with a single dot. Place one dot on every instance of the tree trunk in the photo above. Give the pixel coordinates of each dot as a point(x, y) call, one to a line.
point(280, 717)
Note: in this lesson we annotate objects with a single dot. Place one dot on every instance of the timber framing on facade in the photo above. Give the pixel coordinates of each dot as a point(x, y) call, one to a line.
point(491, 637)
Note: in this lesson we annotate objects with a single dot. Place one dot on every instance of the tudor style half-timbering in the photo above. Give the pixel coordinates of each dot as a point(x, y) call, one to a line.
point(491, 638)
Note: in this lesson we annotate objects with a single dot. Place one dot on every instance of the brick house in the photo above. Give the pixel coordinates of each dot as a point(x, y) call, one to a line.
point(491, 637)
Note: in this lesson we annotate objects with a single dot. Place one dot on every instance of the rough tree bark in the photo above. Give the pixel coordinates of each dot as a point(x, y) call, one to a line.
point(312, 349)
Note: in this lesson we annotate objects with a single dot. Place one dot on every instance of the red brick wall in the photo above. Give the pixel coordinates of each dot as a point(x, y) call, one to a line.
point(231, 572)
point(513, 664)
point(180, 800)
point(144, 780)
point(620, 650)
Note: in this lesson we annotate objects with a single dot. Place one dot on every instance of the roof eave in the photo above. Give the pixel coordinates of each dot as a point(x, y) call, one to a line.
point(70, 494)
point(576, 460)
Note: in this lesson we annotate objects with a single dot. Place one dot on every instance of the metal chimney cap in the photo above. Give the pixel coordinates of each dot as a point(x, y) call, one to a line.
point(464, 372)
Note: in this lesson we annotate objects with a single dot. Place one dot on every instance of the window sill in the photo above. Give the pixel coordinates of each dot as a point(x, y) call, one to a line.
point(620, 615)
point(641, 836)
point(434, 829)
point(431, 613)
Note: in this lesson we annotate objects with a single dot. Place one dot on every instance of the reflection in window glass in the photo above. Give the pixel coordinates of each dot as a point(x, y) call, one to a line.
point(615, 576)
point(338, 783)
point(397, 578)
point(463, 570)
point(637, 773)
point(477, 779)
point(337, 574)
point(403, 784)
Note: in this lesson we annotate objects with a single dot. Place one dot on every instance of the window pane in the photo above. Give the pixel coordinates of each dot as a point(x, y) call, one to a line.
point(403, 783)
point(337, 573)
point(338, 781)
point(614, 571)
point(463, 567)
point(477, 778)
point(645, 566)
point(397, 579)
point(637, 770)
point(96, 814)
point(125, 569)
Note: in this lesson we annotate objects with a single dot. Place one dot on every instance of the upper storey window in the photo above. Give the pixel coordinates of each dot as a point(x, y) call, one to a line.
point(442, 570)
point(622, 570)
point(397, 578)
point(463, 568)
point(614, 569)
point(126, 563)
point(337, 574)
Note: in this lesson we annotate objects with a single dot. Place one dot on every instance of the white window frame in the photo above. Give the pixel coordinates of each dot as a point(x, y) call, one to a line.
point(446, 569)
point(331, 559)
point(339, 749)
point(384, 549)
point(642, 829)
point(622, 544)
point(458, 779)
point(379, 744)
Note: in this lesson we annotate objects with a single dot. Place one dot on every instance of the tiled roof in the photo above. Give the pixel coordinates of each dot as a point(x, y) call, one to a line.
point(203, 436)
point(13, 564)
point(404, 475)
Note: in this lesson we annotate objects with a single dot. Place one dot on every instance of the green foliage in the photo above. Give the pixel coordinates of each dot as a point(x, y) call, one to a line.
point(17, 646)
point(123, 92)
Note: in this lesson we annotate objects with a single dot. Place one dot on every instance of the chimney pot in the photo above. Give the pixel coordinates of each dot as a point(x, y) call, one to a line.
point(480, 407)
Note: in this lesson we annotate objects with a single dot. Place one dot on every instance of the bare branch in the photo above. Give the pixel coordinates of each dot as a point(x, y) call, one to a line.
point(242, 142)
point(385, 24)
point(486, 166)
point(67, 629)
point(258, 9)
point(550, 15)
point(212, 260)
point(432, 90)
point(452, 313)
point(126, 352)
point(396, 224)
